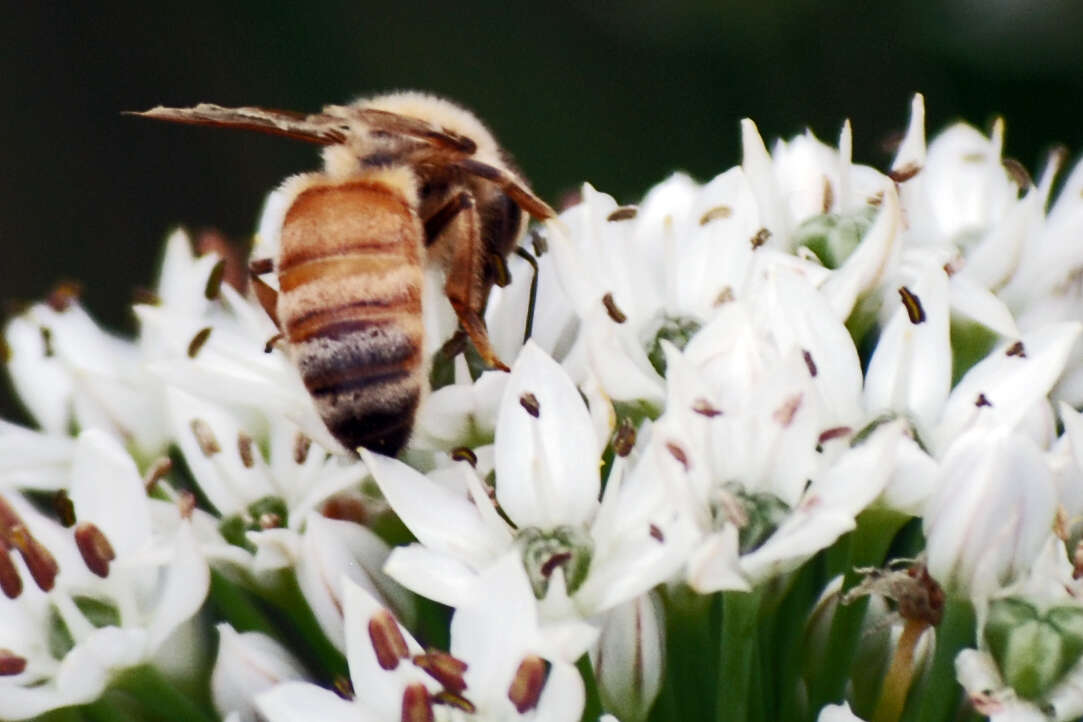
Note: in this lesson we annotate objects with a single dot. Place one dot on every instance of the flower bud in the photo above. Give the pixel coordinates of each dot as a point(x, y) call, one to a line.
point(248, 663)
point(1033, 650)
point(629, 660)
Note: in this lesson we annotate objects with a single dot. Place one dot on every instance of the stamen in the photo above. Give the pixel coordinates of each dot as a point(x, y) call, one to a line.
point(1017, 349)
point(64, 508)
point(678, 454)
point(833, 433)
point(612, 309)
point(760, 238)
point(198, 340)
point(716, 213)
point(829, 195)
point(501, 274)
point(656, 533)
point(416, 705)
point(186, 504)
point(724, 296)
point(444, 668)
point(10, 581)
point(982, 401)
point(529, 681)
point(345, 507)
point(624, 440)
point(623, 213)
point(95, 548)
point(47, 341)
point(244, 448)
point(387, 640)
point(784, 414)
point(703, 407)
point(208, 444)
point(554, 561)
point(912, 304)
point(43, 567)
point(63, 295)
point(450, 699)
point(11, 664)
point(463, 453)
point(1018, 172)
point(301, 445)
point(905, 173)
point(530, 402)
point(158, 469)
point(809, 363)
point(214, 281)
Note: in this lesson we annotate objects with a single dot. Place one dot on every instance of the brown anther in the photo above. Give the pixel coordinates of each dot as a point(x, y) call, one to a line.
point(269, 520)
point(261, 266)
point(212, 241)
point(156, 471)
point(716, 213)
point(11, 584)
point(270, 345)
point(343, 687)
point(214, 281)
point(656, 533)
point(208, 444)
point(186, 504)
point(345, 507)
point(784, 414)
point(47, 341)
point(145, 297)
point(95, 548)
point(64, 508)
point(444, 668)
point(244, 450)
point(387, 640)
point(905, 173)
point(63, 295)
point(724, 296)
point(912, 304)
point(829, 195)
point(416, 704)
point(833, 433)
point(450, 699)
point(554, 561)
point(530, 402)
point(1017, 349)
point(528, 683)
point(1017, 172)
point(612, 309)
point(624, 439)
point(760, 238)
point(703, 407)
point(976, 157)
point(678, 454)
point(809, 363)
point(464, 453)
point(301, 445)
point(875, 200)
point(41, 564)
point(623, 213)
point(982, 400)
point(198, 340)
point(11, 664)
point(538, 242)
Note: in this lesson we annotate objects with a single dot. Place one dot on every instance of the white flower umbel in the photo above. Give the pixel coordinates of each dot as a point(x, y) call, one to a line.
point(547, 484)
point(495, 669)
point(127, 583)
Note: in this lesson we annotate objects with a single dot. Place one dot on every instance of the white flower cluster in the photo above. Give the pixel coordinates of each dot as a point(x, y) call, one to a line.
point(717, 383)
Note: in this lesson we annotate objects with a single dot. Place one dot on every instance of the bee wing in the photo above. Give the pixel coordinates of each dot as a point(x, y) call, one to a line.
point(385, 121)
point(320, 128)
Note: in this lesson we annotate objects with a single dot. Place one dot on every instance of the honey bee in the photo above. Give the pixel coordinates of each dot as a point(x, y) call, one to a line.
point(409, 179)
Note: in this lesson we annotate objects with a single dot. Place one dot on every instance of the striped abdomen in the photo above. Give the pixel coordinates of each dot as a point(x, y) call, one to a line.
point(349, 302)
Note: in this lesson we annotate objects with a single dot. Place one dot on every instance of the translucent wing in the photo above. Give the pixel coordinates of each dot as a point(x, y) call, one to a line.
point(319, 128)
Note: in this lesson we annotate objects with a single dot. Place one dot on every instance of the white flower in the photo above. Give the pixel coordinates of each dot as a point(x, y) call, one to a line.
point(547, 483)
point(248, 663)
point(493, 671)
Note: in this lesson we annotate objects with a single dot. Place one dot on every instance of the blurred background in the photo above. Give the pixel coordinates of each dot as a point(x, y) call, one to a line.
point(617, 93)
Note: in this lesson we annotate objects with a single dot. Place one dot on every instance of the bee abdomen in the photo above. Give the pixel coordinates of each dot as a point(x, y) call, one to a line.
point(350, 306)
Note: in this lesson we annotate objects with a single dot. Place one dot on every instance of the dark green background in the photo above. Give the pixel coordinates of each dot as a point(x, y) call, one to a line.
point(620, 94)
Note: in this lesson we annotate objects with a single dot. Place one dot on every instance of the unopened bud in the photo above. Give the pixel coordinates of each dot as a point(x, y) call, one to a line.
point(628, 663)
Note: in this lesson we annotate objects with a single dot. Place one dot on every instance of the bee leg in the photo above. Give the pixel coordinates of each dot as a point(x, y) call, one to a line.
point(526, 256)
point(465, 286)
point(267, 296)
point(519, 193)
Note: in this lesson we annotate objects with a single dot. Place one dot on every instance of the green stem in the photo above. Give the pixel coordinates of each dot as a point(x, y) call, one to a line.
point(786, 641)
point(236, 607)
point(940, 698)
point(303, 632)
point(868, 545)
point(738, 664)
point(159, 697)
point(592, 710)
point(900, 675)
point(688, 685)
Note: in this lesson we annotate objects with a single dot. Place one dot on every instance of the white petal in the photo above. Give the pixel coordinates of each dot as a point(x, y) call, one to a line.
point(106, 489)
point(187, 581)
point(247, 664)
point(301, 702)
point(431, 574)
